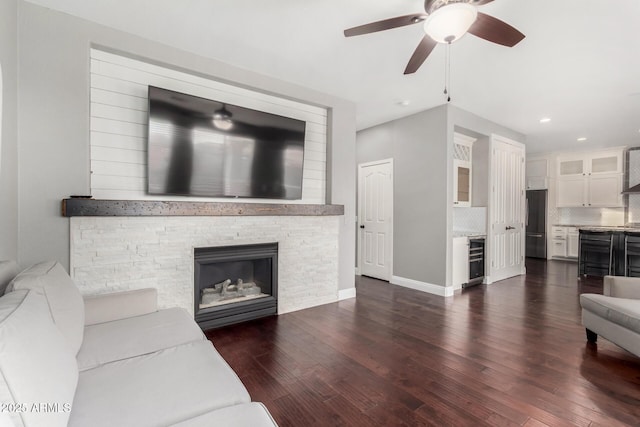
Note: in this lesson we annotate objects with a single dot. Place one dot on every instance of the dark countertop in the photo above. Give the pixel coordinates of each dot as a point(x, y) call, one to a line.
point(620, 228)
point(602, 227)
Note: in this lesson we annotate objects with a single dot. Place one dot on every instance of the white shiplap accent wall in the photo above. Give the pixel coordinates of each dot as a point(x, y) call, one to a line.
point(119, 109)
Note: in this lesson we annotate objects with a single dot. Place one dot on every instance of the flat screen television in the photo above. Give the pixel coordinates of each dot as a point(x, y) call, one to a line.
point(201, 147)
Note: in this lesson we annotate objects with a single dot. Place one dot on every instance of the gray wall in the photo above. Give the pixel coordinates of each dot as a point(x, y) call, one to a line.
point(421, 146)
point(480, 126)
point(54, 128)
point(418, 145)
point(9, 137)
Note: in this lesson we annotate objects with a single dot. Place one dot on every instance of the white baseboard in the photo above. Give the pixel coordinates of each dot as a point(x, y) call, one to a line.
point(346, 293)
point(423, 286)
point(358, 271)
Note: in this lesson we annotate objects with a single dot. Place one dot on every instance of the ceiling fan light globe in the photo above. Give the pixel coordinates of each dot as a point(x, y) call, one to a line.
point(222, 119)
point(223, 123)
point(450, 22)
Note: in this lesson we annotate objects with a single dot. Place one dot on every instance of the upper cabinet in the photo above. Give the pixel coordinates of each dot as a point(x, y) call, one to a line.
point(537, 172)
point(462, 172)
point(590, 163)
point(591, 179)
point(461, 183)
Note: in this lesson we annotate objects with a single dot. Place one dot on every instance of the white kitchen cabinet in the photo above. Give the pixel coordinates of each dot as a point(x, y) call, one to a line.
point(605, 190)
point(537, 174)
point(559, 248)
point(573, 237)
point(571, 166)
point(591, 179)
point(564, 242)
point(570, 192)
point(461, 183)
point(462, 172)
point(605, 162)
point(591, 162)
point(460, 273)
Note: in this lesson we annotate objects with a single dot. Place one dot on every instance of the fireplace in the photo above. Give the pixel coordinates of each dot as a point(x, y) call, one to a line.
point(234, 284)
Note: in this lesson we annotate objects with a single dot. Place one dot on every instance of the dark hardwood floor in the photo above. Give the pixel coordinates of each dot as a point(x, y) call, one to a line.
point(511, 353)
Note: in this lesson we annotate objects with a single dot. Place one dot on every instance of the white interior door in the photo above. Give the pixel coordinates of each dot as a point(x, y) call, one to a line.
point(506, 209)
point(375, 218)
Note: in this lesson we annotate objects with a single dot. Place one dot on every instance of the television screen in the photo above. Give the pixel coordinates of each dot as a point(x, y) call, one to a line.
point(201, 147)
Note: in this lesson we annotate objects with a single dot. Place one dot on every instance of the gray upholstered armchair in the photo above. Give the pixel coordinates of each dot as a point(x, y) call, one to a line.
point(615, 315)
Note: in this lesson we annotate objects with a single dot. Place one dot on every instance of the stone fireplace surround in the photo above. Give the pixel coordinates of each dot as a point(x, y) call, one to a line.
point(115, 253)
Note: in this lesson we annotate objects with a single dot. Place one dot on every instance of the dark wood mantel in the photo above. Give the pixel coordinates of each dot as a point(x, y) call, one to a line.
point(93, 207)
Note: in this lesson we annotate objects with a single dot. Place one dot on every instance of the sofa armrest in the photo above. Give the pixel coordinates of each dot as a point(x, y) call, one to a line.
point(119, 305)
point(622, 287)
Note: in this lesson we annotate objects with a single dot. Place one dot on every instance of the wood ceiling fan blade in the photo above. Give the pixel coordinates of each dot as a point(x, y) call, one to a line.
point(496, 31)
point(385, 24)
point(420, 54)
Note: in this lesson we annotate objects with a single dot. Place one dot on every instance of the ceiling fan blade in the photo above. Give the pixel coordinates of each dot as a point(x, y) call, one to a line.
point(420, 54)
point(385, 24)
point(480, 2)
point(496, 31)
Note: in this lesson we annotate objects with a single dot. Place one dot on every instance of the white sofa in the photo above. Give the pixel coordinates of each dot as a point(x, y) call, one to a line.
point(108, 360)
point(615, 315)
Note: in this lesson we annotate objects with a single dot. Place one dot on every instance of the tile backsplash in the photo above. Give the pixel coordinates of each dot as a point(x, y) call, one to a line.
point(588, 216)
point(470, 219)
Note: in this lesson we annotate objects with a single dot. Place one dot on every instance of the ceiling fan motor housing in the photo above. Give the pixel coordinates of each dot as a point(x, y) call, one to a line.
point(431, 6)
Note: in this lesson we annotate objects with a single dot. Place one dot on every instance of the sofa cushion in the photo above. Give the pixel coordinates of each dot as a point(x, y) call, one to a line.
point(622, 311)
point(247, 415)
point(135, 336)
point(65, 302)
point(8, 270)
point(160, 388)
point(36, 365)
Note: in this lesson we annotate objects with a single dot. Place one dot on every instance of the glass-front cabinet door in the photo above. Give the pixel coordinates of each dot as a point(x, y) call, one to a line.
point(461, 183)
point(571, 167)
point(606, 163)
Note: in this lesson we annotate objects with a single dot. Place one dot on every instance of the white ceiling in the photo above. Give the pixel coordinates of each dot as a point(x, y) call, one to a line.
point(579, 63)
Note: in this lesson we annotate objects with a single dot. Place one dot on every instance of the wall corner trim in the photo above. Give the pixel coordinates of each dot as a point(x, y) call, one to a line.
point(346, 293)
point(443, 291)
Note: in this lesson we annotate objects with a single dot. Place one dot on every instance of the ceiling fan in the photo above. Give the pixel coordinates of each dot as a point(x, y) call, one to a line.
point(445, 21)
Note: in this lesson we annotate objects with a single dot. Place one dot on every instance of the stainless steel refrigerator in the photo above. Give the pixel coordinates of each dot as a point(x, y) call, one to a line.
point(536, 224)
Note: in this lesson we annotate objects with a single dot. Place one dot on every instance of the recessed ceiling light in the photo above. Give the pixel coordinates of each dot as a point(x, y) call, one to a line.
point(545, 120)
point(404, 102)
point(582, 138)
